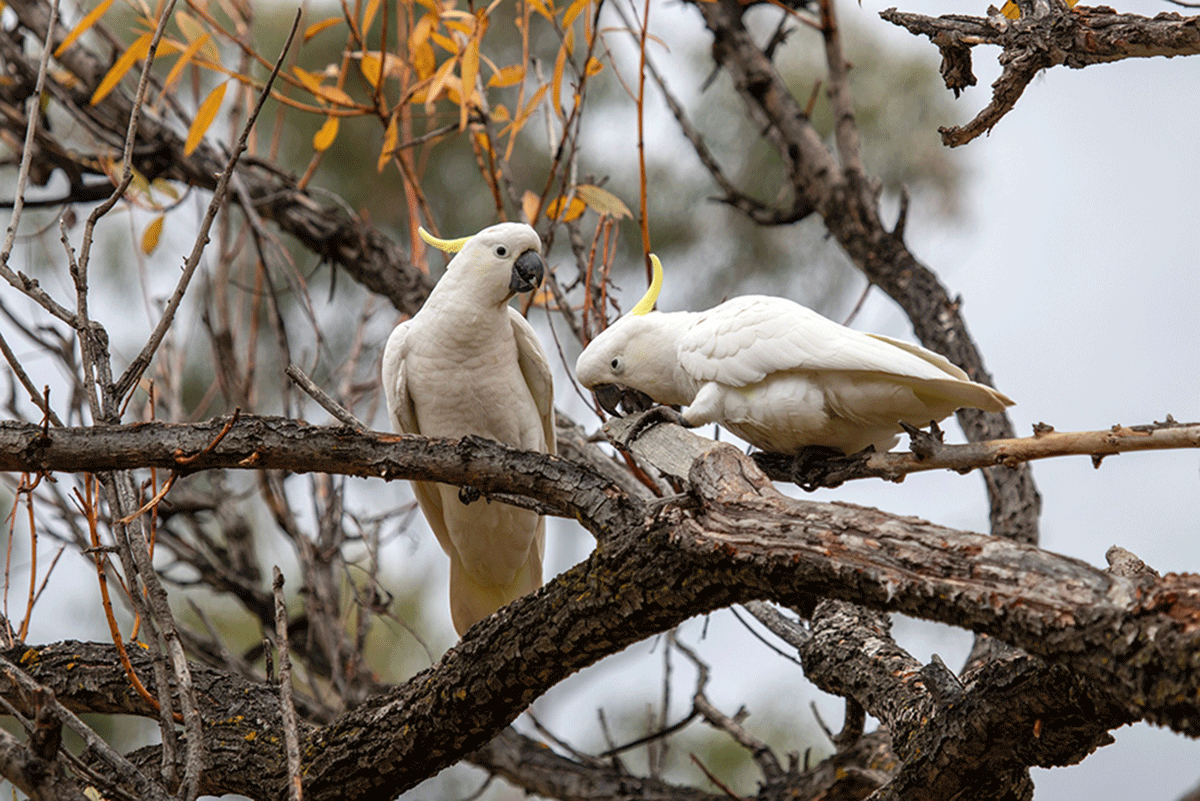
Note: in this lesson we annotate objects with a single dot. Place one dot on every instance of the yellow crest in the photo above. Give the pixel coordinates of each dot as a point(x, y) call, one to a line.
point(446, 245)
point(646, 304)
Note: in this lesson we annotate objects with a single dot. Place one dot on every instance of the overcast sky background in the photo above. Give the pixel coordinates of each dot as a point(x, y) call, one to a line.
point(1077, 261)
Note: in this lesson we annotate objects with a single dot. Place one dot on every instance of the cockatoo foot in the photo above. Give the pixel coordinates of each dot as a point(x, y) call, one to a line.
point(468, 495)
point(922, 443)
point(812, 467)
point(656, 416)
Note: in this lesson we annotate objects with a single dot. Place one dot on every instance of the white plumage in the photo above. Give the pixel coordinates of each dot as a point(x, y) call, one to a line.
point(777, 374)
point(468, 363)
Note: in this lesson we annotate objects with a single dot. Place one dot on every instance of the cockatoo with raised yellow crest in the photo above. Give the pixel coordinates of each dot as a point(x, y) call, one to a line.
point(775, 373)
point(469, 364)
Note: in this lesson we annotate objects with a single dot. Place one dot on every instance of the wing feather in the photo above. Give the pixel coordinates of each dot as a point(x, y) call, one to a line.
point(535, 367)
point(743, 340)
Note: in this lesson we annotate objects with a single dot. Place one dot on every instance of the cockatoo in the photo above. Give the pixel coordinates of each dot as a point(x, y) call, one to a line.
point(468, 363)
point(777, 374)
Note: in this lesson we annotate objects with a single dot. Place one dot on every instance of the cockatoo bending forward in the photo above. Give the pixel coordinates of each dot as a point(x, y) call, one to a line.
point(777, 374)
point(468, 363)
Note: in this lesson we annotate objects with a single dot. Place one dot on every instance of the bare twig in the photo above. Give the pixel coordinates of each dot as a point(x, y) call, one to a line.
point(322, 397)
point(134, 372)
point(286, 707)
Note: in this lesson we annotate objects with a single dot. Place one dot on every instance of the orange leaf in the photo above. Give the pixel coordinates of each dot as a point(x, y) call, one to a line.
point(310, 81)
point(151, 235)
point(530, 107)
point(529, 206)
point(603, 201)
point(470, 71)
point(317, 27)
point(204, 117)
point(323, 138)
point(508, 76)
point(330, 94)
point(372, 69)
point(335, 95)
point(438, 84)
point(556, 82)
point(136, 52)
point(500, 113)
point(573, 209)
point(543, 8)
point(443, 41)
point(573, 11)
point(423, 60)
point(193, 29)
point(88, 21)
point(184, 60)
point(594, 65)
point(369, 15)
point(391, 137)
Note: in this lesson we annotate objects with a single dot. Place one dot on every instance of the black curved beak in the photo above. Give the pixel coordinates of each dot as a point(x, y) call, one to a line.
point(608, 396)
point(527, 272)
point(612, 397)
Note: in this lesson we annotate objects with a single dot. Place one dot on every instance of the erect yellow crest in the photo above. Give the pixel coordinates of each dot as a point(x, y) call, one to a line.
point(646, 304)
point(446, 245)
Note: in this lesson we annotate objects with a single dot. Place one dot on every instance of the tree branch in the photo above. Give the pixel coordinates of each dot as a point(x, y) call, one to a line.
point(741, 541)
point(1077, 38)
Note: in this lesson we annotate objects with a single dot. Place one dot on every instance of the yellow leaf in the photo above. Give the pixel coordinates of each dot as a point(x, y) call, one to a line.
point(335, 95)
point(500, 113)
point(88, 21)
point(443, 41)
point(530, 107)
point(323, 138)
point(136, 52)
point(151, 235)
point(602, 201)
point(543, 8)
point(372, 69)
point(191, 28)
point(470, 71)
point(391, 137)
point(330, 94)
point(529, 207)
point(573, 11)
point(185, 59)
point(438, 84)
point(594, 66)
point(420, 32)
point(423, 60)
point(166, 187)
point(573, 209)
point(465, 28)
point(508, 76)
point(139, 182)
point(317, 27)
point(311, 82)
point(556, 82)
point(204, 117)
point(369, 15)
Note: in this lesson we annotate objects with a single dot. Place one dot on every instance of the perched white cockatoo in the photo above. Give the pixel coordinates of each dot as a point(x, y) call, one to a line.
point(468, 363)
point(777, 374)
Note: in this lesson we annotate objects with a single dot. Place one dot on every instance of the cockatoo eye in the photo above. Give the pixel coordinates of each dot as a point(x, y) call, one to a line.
point(501, 251)
point(617, 365)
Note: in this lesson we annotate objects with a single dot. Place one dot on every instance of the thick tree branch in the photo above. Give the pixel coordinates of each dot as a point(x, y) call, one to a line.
point(275, 443)
point(1136, 636)
point(1077, 38)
